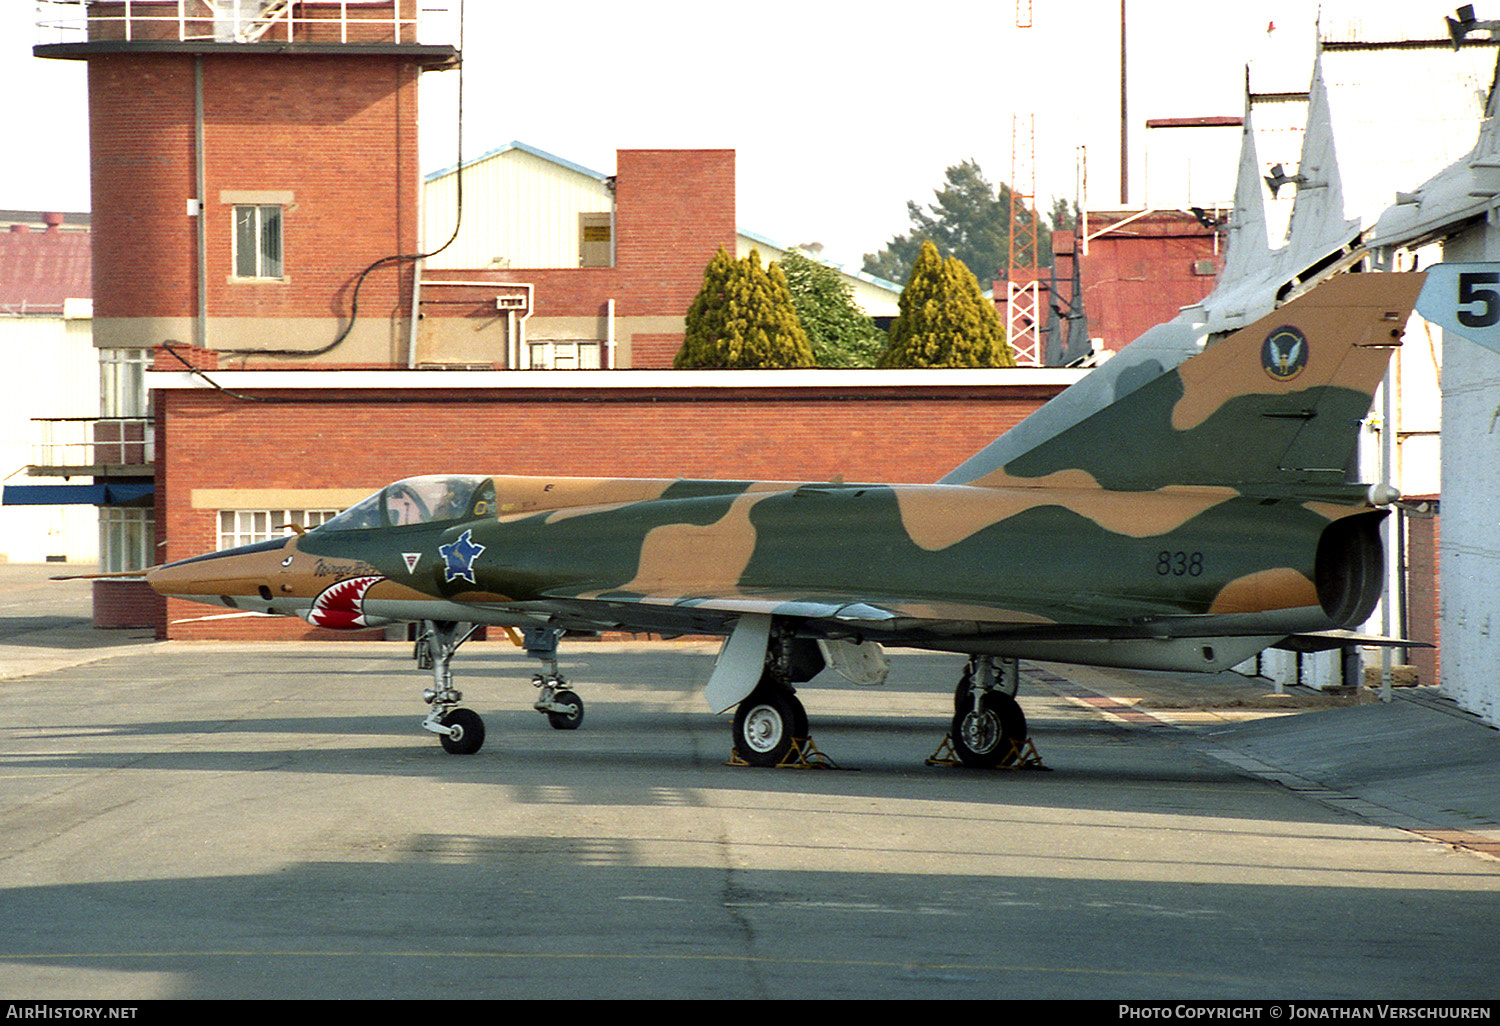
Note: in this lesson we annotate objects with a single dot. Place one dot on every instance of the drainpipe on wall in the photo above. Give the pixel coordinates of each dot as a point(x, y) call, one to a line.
point(609, 334)
point(521, 327)
point(416, 294)
point(1389, 534)
point(416, 312)
point(200, 329)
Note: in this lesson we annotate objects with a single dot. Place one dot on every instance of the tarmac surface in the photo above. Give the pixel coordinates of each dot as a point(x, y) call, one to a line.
point(215, 820)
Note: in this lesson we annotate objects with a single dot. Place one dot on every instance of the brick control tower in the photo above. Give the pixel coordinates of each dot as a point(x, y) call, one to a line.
point(251, 159)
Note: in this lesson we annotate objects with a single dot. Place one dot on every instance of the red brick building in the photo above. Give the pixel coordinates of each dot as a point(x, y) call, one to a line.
point(673, 210)
point(296, 445)
point(1142, 268)
point(246, 173)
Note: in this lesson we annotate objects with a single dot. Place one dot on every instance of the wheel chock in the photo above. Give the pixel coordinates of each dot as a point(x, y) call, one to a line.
point(805, 755)
point(1023, 755)
point(802, 755)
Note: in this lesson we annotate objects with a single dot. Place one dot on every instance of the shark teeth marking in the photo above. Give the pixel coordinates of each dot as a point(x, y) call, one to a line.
point(341, 606)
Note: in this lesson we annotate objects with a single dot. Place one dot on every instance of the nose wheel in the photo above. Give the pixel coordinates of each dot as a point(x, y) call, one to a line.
point(563, 708)
point(461, 731)
point(465, 732)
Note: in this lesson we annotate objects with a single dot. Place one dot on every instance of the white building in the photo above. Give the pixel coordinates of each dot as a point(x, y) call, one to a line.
point(526, 208)
point(1457, 212)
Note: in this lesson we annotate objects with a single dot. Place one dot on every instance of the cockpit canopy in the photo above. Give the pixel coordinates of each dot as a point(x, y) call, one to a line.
point(433, 499)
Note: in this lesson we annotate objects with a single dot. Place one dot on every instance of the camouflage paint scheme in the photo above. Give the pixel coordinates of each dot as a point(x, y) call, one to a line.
point(1204, 493)
point(1194, 521)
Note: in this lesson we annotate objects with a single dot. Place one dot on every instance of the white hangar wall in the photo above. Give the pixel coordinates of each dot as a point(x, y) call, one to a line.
point(1469, 547)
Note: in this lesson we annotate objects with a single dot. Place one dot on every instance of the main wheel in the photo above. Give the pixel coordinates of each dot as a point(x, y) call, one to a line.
point(765, 725)
point(989, 736)
point(467, 732)
point(566, 720)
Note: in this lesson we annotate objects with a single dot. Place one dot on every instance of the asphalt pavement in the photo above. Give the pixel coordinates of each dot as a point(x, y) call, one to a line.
point(1417, 762)
point(187, 820)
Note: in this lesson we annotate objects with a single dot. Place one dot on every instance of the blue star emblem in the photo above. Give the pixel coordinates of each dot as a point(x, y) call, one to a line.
point(459, 558)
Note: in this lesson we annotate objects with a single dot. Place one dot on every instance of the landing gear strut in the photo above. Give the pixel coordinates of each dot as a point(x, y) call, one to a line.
point(989, 727)
point(460, 730)
point(564, 709)
point(770, 722)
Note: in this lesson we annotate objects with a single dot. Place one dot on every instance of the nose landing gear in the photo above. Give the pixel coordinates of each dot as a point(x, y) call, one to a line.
point(460, 730)
point(563, 708)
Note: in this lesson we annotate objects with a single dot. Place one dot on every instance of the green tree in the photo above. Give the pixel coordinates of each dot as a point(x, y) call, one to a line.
point(1065, 214)
point(743, 318)
point(944, 321)
point(841, 334)
point(970, 219)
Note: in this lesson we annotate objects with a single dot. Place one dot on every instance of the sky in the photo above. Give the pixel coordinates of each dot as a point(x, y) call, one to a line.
point(839, 112)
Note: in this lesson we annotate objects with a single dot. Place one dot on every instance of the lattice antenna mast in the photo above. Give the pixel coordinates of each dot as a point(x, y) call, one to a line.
point(1023, 308)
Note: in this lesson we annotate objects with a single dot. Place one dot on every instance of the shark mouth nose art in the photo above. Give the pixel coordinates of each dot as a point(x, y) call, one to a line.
point(341, 606)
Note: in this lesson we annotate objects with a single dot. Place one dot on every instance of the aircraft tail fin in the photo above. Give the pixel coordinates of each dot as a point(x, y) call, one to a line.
point(1278, 403)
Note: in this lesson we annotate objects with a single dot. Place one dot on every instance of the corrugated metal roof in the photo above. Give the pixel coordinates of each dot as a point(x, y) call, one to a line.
point(516, 144)
point(41, 270)
point(1345, 22)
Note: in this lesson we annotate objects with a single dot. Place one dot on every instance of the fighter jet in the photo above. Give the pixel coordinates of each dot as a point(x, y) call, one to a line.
point(1198, 515)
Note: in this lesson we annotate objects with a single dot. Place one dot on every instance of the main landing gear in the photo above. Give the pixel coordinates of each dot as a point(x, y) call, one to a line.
point(989, 728)
point(770, 724)
point(564, 709)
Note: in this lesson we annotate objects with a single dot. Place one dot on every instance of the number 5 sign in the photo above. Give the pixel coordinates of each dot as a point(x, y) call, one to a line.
point(1464, 299)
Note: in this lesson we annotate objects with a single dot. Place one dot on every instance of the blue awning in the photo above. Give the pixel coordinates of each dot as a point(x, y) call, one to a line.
point(117, 493)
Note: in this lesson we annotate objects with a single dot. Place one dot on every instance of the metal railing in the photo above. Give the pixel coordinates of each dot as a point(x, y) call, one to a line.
point(227, 21)
point(78, 443)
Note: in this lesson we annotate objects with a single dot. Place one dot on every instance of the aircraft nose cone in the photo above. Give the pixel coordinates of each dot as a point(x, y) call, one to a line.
point(242, 571)
point(178, 578)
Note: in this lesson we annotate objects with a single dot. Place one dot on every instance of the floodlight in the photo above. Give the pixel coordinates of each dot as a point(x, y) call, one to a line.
point(1464, 22)
point(1278, 177)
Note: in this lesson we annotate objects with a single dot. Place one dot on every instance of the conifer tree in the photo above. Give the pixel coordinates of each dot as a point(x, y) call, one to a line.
point(944, 320)
point(743, 318)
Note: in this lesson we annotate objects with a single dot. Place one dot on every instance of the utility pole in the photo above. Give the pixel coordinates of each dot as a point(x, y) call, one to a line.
point(1124, 119)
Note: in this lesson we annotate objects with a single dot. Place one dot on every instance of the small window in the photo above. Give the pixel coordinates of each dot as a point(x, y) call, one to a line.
point(127, 538)
point(566, 355)
point(257, 242)
point(246, 526)
point(122, 382)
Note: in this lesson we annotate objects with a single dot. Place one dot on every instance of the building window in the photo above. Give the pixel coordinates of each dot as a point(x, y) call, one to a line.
point(122, 382)
point(257, 242)
point(127, 538)
point(566, 355)
point(596, 240)
point(247, 526)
